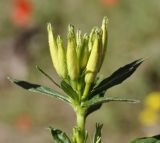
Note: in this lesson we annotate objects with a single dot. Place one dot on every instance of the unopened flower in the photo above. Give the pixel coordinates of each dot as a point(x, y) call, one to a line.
point(78, 43)
point(94, 60)
point(83, 58)
point(84, 52)
point(104, 37)
point(91, 38)
point(72, 60)
point(61, 58)
point(53, 47)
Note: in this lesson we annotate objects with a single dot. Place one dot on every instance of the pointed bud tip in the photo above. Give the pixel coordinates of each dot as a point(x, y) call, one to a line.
point(79, 32)
point(59, 38)
point(93, 31)
point(70, 28)
point(79, 37)
point(85, 37)
point(94, 28)
point(98, 33)
point(71, 34)
point(105, 20)
point(49, 27)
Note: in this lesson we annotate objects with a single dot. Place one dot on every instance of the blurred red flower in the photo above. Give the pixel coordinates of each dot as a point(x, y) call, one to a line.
point(22, 11)
point(109, 2)
point(23, 122)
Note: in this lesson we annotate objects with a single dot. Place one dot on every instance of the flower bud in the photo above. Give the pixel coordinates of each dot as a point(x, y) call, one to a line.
point(61, 58)
point(79, 45)
point(85, 52)
point(53, 47)
point(72, 61)
point(104, 37)
point(93, 64)
point(78, 39)
point(91, 38)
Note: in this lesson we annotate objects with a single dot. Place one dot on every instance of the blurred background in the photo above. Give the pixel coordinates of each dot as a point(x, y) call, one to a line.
point(134, 32)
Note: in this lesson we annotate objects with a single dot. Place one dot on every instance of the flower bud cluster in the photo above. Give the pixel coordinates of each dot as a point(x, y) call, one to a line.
point(83, 56)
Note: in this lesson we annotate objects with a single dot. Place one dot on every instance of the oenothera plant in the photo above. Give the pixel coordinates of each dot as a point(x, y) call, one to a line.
point(78, 66)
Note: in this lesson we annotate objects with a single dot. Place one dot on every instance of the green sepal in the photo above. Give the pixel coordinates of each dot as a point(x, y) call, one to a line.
point(47, 75)
point(153, 139)
point(69, 90)
point(59, 136)
point(97, 135)
point(117, 77)
point(39, 89)
point(99, 100)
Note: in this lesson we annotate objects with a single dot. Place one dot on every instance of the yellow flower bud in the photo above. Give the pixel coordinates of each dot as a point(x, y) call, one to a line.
point(61, 58)
point(104, 37)
point(79, 45)
point(53, 47)
point(72, 61)
point(85, 52)
point(78, 40)
point(93, 64)
point(91, 38)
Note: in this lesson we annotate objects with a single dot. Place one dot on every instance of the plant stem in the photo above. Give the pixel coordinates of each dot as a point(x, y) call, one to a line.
point(80, 131)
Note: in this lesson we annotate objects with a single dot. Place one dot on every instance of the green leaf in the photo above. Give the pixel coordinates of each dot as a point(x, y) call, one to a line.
point(153, 139)
point(97, 135)
point(109, 82)
point(39, 89)
point(117, 77)
point(59, 136)
point(49, 77)
point(91, 109)
point(69, 90)
point(99, 100)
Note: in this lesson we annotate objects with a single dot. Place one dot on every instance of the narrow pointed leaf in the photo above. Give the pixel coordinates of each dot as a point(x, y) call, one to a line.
point(59, 136)
point(117, 77)
point(97, 135)
point(154, 139)
point(69, 90)
point(47, 75)
point(39, 89)
point(101, 93)
point(100, 100)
